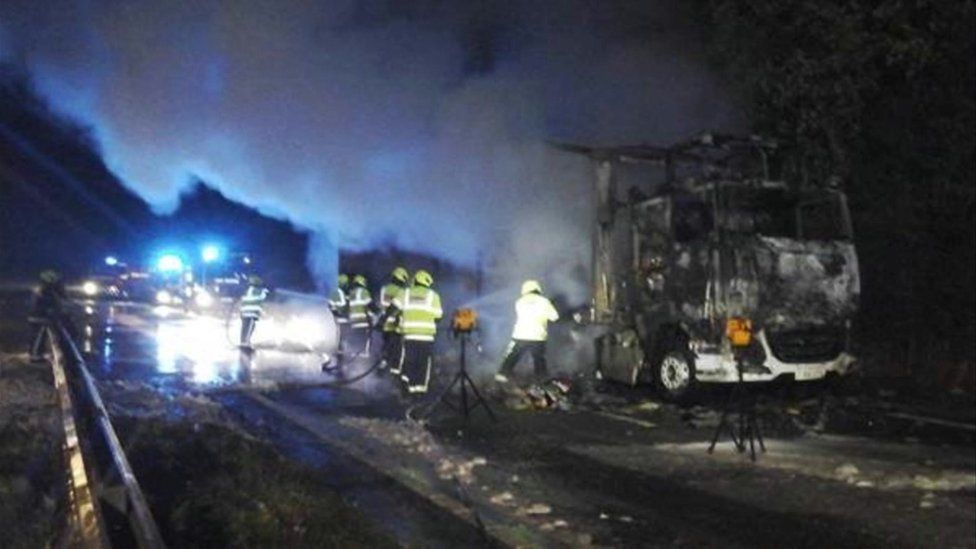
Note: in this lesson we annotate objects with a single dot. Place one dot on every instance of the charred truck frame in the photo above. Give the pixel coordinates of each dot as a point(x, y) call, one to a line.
point(718, 239)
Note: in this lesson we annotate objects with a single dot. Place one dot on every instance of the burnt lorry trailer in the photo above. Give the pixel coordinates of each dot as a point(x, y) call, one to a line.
point(717, 238)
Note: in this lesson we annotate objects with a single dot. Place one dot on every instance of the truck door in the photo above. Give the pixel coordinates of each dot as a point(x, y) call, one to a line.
point(688, 269)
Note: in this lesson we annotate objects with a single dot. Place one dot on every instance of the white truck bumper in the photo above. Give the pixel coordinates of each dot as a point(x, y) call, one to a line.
point(720, 368)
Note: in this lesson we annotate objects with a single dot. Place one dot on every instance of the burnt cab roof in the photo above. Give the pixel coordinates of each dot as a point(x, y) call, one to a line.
point(706, 148)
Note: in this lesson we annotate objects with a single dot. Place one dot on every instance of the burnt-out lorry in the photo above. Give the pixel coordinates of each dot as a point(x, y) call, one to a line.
point(717, 237)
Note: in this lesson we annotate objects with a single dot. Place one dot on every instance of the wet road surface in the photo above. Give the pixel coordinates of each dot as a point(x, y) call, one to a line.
point(640, 481)
point(178, 354)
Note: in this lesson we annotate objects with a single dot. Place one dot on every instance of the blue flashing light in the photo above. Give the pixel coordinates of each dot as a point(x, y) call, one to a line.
point(111, 261)
point(210, 253)
point(169, 263)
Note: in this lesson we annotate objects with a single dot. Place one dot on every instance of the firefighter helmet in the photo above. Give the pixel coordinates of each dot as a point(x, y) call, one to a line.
point(255, 280)
point(50, 276)
point(531, 286)
point(343, 280)
point(423, 278)
point(400, 275)
point(359, 280)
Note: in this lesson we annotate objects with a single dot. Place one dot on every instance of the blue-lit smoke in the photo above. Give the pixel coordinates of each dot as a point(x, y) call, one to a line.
point(405, 123)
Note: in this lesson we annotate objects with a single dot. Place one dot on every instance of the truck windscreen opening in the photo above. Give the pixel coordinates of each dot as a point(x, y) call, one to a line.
point(784, 214)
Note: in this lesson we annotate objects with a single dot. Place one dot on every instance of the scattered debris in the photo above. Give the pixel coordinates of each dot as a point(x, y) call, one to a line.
point(414, 439)
point(553, 394)
point(628, 419)
point(550, 526)
point(647, 406)
point(535, 509)
point(504, 498)
point(928, 501)
point(847, 472)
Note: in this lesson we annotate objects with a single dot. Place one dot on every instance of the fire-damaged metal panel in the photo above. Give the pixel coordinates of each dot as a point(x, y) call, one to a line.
point(718, 239)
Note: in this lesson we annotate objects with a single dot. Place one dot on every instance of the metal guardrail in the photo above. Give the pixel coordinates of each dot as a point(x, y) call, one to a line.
point(85, 525)
point(115, 483)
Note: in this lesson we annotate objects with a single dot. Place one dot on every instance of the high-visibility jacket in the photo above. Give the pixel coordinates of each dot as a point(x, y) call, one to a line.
point(252, 304)
point(533, 313)
point(387, 294)
point(339, 305)
point(420, 309)
point(359, 302)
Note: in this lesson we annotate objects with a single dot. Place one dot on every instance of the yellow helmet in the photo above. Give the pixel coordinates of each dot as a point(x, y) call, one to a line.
point(400, 275)
point(423, 278)
point(255, 280)
point(343, 280)
point(50, 276)
point(531, 286)
point(359, 280)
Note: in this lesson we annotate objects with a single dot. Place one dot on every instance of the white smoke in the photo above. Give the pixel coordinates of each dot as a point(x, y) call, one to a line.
point(407, 123)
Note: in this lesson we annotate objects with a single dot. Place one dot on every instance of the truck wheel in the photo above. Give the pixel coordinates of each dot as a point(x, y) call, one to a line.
point(675, 375)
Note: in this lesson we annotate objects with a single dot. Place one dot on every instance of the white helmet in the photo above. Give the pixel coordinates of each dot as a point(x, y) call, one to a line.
point(531, 286)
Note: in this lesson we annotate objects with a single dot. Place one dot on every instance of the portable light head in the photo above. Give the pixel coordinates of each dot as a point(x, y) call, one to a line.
point(739, 332)
point(464, 321)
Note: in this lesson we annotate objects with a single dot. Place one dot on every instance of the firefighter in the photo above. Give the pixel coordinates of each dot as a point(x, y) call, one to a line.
point(389, 319)
point(419, 308)
point(252, 308)
point(46, 311)
point(360, 319)
point(338, 300)
point(339, 305)
point(533, 313)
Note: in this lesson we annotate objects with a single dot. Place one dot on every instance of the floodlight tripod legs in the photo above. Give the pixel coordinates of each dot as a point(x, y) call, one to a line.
point(465, 381)
point(724, 423)
point(748, 428)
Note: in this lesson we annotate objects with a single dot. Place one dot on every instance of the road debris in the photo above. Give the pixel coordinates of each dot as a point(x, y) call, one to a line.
point(550, 526)
point(847, 472)
point(928, 501)
point(553, 394)
point(647, 406)
point(535, 509)
point(504, 498)
point(414, 439)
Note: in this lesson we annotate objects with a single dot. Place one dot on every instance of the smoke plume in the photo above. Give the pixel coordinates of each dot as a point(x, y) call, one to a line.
point(416, 124)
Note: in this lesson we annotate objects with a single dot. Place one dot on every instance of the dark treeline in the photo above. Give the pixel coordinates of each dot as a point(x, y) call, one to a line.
point(880, 94)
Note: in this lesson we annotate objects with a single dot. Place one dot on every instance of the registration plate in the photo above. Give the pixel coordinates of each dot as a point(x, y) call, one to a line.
point(804, 373)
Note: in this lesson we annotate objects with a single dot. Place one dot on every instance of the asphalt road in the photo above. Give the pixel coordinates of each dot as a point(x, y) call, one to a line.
point(615, 475)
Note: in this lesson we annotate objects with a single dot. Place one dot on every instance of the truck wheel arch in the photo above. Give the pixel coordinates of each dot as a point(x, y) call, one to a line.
point(671, 350)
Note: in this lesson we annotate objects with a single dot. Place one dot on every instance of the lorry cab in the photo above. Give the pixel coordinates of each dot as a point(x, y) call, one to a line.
point(680, 261)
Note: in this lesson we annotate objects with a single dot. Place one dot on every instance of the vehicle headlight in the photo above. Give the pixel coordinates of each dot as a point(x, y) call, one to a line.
point(89, 288)
point(203, 299)
point(163, 297)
